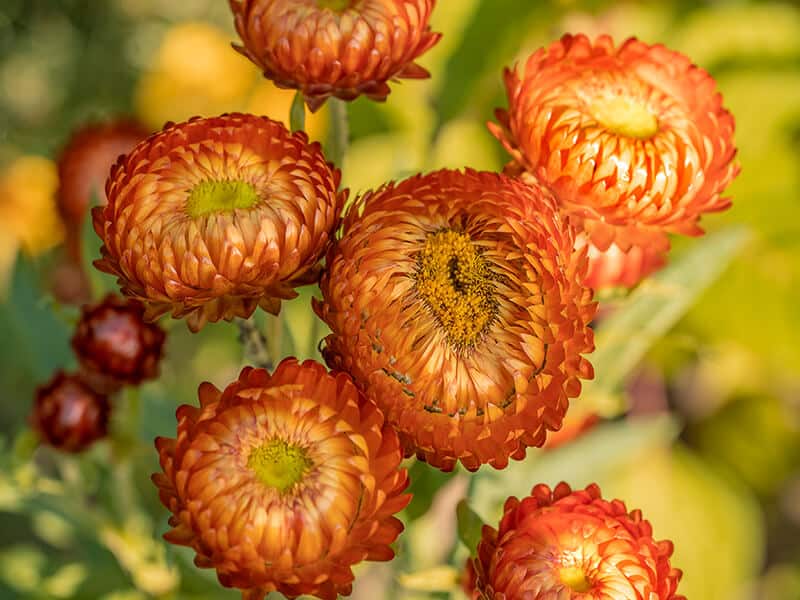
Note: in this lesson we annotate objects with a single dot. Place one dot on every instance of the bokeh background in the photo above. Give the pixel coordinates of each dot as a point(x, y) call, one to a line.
point(696, 411)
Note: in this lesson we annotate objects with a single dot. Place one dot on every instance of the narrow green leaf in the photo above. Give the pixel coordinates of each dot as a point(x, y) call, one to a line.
point(101, 283)
point(583, 461)
point(483, 52)
point(469, 526)
point(653, 309)
point(35, 341)
point(297, 114)
point(425, 483)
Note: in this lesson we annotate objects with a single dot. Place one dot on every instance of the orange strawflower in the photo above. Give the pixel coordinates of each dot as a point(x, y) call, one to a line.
point(342, 48)
point(560, 544)
point(455, 301)
point(634, 142)
point(283, 482)
point(213, 217)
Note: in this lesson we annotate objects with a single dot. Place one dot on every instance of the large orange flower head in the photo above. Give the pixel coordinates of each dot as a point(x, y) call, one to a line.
point(213, 217)
point(342, 48)
point(559, 544)
point(282, 482)
point(456, 302)
point(633, 140)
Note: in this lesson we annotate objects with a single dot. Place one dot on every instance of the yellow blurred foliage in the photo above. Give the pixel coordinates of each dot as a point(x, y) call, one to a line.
point(27, 203)
point(197, 72)
point(28, 214)
point(275, 103)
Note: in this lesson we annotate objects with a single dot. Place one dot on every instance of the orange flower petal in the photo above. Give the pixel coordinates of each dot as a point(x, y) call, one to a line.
point(455, 301)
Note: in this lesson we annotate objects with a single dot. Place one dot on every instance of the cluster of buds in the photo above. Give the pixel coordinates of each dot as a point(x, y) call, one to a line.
point(114, 346)
point(459, 302)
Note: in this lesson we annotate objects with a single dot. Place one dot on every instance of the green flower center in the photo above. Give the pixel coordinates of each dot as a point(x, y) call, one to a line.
point(279, 465)
point(335, 5)
point(457, 286)
point(625, 116)
point(215, 197)
point(575, 579)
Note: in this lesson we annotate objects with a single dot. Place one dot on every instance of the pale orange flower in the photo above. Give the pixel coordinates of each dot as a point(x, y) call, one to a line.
point(455, 301)
point(342, 48)
point(562, 545)
point(85, 163)
point(633, 140)
point(283, 482)
point(213, 217)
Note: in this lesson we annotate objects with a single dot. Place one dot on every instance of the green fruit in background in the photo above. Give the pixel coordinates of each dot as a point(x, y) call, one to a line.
point(716, 528)
point(757, 437)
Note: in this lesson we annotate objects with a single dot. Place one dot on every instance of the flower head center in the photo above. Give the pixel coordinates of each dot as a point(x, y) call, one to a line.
point(210, 197)
point(575, 579)
point(335, 5)
point(456, 284)
point(278, 464)
point(624, 116)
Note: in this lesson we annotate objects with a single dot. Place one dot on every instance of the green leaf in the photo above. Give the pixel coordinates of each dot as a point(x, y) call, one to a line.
point(469, 526)
point(33, 337)
point(483, 52)
point(101, 283)
point(425, 482)
point(651, 310)
point(441, 578)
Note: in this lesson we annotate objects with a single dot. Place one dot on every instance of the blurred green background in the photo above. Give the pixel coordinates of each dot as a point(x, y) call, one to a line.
point(699, 389)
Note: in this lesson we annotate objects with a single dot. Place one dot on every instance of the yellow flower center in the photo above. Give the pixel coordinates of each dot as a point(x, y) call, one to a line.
point(278, 464)
point(209, 197)
point(334, 5)
point(625, 116)
point(456, 284)
point(575, 579)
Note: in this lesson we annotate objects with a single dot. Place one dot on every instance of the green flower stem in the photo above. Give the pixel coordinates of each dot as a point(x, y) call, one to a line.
point(339, 135)
point(254, 343)
point(275, 335)
point(297, 114)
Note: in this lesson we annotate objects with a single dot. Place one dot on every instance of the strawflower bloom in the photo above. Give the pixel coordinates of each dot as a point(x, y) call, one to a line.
point(213, 217)
point(633, 140)
point(455, 301)
point(112, 340)
point(342, 48)
point(559, 544)
point(68, 414)
point(283, 482)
